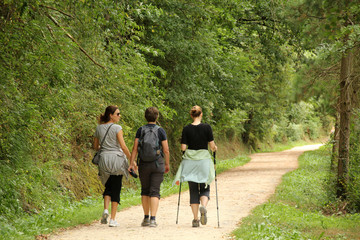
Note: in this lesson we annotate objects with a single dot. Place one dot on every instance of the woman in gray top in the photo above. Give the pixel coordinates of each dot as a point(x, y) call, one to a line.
point(113, 162)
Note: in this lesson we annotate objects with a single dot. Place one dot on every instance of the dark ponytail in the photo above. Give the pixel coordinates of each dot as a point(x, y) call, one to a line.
point(104, 118)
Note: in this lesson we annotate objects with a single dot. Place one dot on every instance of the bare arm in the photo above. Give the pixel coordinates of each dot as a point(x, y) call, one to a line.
point(96, 144)
point(213, 146)
point(134, 152)
point(120, 138)
point(165, 148)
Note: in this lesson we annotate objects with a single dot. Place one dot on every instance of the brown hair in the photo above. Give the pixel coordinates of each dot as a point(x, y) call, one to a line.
point(151, 114)
point(195, 111)
point(104, 118)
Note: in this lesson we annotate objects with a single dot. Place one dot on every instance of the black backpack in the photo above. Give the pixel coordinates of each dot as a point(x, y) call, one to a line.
point(149, 149)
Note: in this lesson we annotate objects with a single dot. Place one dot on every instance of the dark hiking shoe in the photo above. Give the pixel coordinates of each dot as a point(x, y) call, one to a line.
point(153, 223)
point(145, 222)
point(196, 223)
point(203, 218)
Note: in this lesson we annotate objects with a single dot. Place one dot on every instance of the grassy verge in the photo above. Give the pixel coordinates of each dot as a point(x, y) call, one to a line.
point(90, 209)
point(296, 209)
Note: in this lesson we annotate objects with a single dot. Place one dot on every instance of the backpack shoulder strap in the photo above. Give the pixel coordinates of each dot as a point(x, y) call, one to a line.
point(142, 131)
point(156, 131)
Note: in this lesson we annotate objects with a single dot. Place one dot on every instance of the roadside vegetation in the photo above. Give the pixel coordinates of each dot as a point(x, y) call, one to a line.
point(303, 207)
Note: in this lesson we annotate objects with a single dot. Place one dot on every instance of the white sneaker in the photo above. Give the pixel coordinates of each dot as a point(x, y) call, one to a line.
point(113, 223)
point(104, 217)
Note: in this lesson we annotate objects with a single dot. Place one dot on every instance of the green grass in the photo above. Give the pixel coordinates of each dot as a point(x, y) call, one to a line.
point(295, 210)
point(89, 209)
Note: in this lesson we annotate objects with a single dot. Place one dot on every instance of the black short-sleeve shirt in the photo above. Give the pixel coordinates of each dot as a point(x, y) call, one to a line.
point(197, 136)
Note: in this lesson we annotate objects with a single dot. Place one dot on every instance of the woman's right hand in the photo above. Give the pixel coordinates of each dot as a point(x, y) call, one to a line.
point(213, 146)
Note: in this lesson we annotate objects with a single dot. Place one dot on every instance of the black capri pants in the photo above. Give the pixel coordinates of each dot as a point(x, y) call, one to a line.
point(198, 190)
point(151, 176)
point(113, 187)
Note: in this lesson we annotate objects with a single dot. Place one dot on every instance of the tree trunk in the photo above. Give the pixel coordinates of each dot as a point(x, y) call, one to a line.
point(335, 148)
point(344, 111)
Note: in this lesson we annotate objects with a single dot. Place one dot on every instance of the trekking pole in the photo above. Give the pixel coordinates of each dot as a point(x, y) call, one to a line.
point(177, 215)
point(217, 203)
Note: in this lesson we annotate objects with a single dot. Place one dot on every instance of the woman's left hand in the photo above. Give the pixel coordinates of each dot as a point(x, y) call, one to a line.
point(133, 167)
point(167, 168)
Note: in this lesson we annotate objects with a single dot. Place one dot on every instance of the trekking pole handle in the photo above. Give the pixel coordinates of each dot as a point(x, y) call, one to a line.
point(214, 153)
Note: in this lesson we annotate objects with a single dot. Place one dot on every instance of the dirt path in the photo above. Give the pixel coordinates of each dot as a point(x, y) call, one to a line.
point(239, 191)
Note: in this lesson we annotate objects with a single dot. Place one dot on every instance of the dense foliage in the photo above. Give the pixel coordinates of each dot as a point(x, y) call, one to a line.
point(63, 62)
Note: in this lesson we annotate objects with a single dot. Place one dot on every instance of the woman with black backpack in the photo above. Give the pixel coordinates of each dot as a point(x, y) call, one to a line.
point(152, 148)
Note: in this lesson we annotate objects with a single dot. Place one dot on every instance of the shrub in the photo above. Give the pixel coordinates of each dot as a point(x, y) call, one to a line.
point(294, 132)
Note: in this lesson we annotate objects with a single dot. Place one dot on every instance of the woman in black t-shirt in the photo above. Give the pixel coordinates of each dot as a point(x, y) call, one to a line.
point(197, 136)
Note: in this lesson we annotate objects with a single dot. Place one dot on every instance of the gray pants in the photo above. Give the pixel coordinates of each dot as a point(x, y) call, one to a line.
point(151, 176)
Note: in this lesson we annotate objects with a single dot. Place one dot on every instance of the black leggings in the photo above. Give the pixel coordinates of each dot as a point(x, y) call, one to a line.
point(113, 187)
point(198, 190)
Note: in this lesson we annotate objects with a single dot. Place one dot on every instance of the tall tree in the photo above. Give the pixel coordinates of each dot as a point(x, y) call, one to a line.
point(344, 131)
